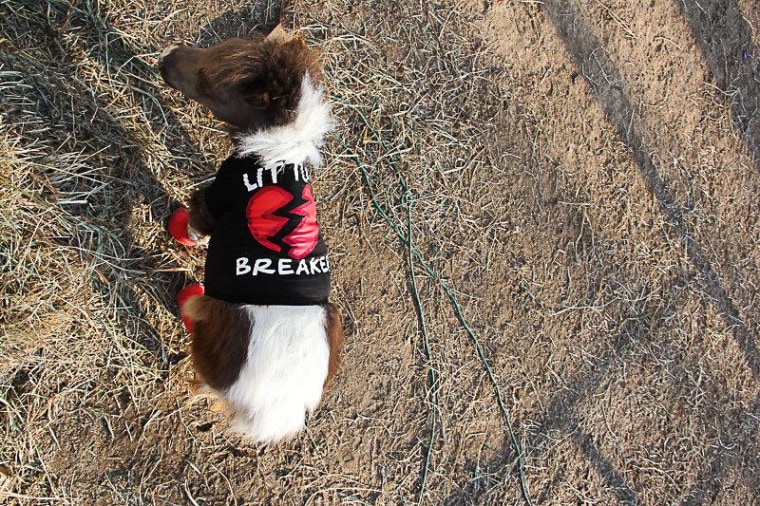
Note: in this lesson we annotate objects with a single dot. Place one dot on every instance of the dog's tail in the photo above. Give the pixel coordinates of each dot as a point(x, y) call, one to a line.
point(283, 370)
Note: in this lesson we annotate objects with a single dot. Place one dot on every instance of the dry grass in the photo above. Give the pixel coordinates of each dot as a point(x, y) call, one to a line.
point(540, 227)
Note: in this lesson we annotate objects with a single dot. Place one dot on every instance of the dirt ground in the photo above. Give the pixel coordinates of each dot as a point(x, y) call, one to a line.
point(544, 227)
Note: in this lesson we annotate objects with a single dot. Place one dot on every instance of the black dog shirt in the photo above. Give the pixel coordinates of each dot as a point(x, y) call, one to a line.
point(266, 247)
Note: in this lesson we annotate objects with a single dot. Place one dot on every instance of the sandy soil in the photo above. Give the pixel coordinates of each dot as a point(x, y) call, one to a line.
point(544, 227)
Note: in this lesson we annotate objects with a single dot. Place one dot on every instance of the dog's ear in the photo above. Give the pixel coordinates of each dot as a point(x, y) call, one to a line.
point(279, 34)
point(297, 41)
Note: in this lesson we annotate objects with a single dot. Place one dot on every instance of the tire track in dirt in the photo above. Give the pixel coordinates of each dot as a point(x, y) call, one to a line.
point(729, 59)
point(642, 325)
point(708, 481)
point(610, 91)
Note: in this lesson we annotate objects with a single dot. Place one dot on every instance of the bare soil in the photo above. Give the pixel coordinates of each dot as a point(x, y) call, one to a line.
point(543, 219)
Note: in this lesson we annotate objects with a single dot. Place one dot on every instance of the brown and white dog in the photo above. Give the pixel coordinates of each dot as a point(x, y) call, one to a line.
point(264, 336)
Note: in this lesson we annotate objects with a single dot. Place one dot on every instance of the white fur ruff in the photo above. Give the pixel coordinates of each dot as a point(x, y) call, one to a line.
point(299, 141)
point(282, 378)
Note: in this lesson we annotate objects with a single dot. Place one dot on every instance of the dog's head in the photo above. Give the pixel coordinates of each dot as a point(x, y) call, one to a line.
point(251, 84)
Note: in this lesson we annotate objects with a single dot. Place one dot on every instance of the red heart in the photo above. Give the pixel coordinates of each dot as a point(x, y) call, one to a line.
point(305, 236)
point(265, 225)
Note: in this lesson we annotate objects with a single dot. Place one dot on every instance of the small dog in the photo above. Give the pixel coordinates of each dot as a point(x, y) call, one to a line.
point(264, 336)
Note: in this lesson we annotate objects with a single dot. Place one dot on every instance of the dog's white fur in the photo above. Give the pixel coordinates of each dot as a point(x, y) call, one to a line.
point(288, 351)
point(297, 142)
point(282, 378)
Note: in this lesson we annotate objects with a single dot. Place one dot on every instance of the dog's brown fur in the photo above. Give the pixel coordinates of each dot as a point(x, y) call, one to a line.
point(271, 78)
point(334, 327)
point(248, 84)
point(220, 339)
